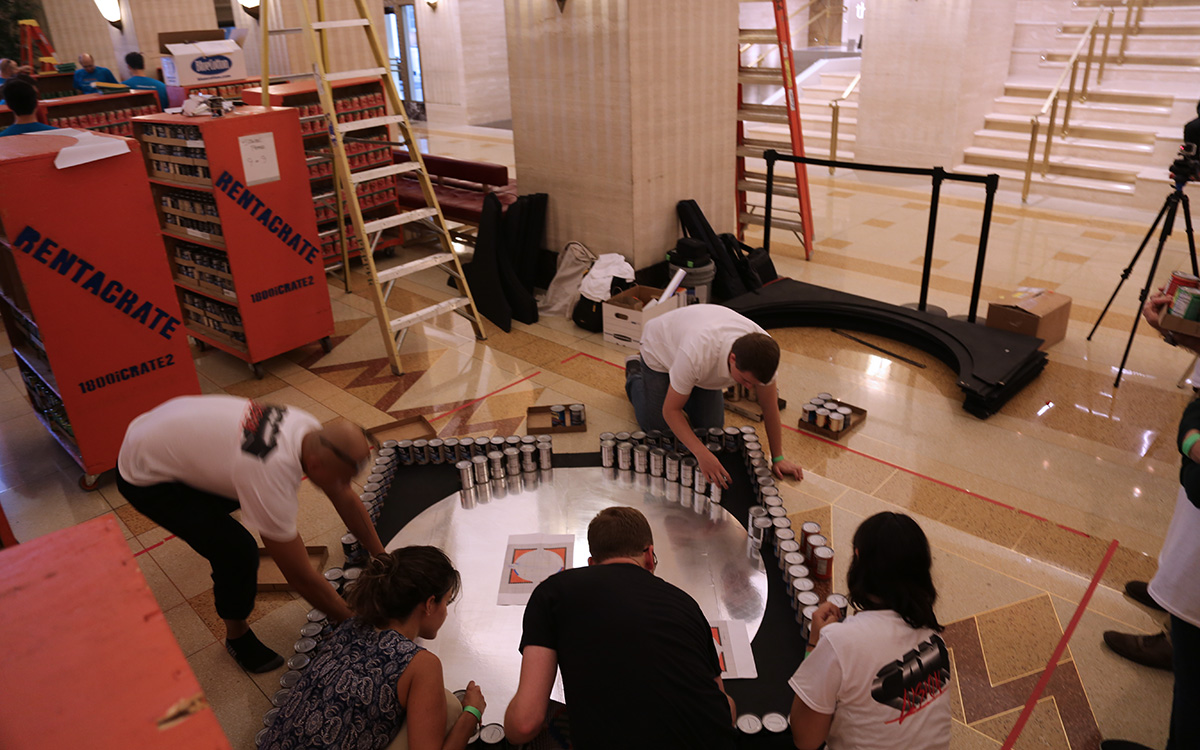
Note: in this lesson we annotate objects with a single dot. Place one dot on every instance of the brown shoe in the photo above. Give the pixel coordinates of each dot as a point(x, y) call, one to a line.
point(1148, 650)
point(1139, 591)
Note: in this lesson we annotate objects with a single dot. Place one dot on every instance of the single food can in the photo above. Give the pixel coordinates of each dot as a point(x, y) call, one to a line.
point(811, 542)
point(776, 511)
point(529, 462)
point(751, 445)
point(576, 415)
point(289, 678)
point(687, 471)
point(310, 630)
point(512, 441)
point(545, 454)
point(436, 454)
point(421, 452)
point(608, 436)
point(783, 533)
point(496, 464)
point(804, 599)
point(481, 447)
point(818, 401)
point(793, 559)
point(654, 438)
point(768, 500)
point(749, 724)
point(822, 563)
point(804, 617)
point(846, 413)
point(699, 481)
point(759, 528)
point(466, 474)
point(354, 552)
point(791, 575)
point(807, 528)
point(658, 460)
point(808, 413)
point(638, 438)
point(512, 461)
point(258, 738)
point(269, 717)
point(733, 436)
point(671, 466)
point(304, 645)
point(558, 416)
point(1181, 279)
point(755, 460)
point(404, 452)
point(492, 734)
point(761, 483)
point(496, 443)
point(822, 419)
point(280, 697)
point(841, 602)
point(624, 456)
point(775, 722)
point(450, 451)
point(716, 435)
point(480, 466)
point(784, 547)
point(641, 459)
point(300, 661)
point(333, 574)
point(623, 437)
point(714, 493)
point(837, 422)
point(757, 511)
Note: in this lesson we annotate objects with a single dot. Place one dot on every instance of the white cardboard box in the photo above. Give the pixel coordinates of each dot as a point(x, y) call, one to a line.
point(624, 317)
point(203, 63)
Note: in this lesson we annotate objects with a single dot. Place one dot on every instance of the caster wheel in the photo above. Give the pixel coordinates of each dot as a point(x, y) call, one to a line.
point(326, 344)
point(258, 370)
point(89, 482)
point(389, 252)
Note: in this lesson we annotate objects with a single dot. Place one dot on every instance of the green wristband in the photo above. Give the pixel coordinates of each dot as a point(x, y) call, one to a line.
point(1188, 442)
point(474, 712)
point(776, 459)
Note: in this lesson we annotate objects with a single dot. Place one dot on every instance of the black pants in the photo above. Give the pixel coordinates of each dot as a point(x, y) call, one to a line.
point(202, 520)
point(1185, 724)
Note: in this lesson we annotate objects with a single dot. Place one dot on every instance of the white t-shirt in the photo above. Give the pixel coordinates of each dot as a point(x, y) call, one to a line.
point(1175, 585)
point(693, 343)
point(884, 682)
point(229, 446)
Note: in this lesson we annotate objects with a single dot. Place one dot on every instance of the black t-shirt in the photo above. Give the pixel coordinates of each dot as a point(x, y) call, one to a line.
point(1191, 132)
point(637, 659)
point(1189, 470)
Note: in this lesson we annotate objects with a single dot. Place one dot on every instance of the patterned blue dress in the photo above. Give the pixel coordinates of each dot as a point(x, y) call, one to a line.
point(347, 696)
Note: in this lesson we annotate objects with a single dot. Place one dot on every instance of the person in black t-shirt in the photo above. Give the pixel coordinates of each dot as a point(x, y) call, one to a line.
point(638, 663)
point(1191, 131)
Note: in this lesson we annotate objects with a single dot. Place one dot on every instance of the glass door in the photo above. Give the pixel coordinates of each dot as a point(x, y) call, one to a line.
point(404, 53)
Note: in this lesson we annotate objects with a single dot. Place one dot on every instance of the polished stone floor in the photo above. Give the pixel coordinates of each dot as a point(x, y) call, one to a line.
point(1021, 509)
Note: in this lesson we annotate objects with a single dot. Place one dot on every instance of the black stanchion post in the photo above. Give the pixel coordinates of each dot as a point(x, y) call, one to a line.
point(993, 182)
point(770, 155)
point(938, 175)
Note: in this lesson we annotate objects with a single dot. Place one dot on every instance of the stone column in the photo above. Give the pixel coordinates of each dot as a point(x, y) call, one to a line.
point(930, 72)
point(622, 108)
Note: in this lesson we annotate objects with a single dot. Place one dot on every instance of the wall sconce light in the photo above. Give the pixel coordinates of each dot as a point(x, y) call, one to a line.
point(111, 10)
point(432, 4)
point(251, 7)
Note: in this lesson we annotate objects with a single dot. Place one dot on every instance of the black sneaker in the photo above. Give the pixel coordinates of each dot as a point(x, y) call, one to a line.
point(1122, 745)
point(1148, 650)
point(633, 363)
point(251, 654)
point(1139, 591)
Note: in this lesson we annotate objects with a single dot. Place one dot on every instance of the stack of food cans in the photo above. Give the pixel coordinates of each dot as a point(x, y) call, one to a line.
point(826, 412)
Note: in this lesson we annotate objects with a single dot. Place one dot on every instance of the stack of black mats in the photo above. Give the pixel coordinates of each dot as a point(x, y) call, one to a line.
point(992, 365)
point(501, 275)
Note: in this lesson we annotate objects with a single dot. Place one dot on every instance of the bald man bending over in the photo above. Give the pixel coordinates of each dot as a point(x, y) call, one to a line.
point(88, 74)
point(192, 461)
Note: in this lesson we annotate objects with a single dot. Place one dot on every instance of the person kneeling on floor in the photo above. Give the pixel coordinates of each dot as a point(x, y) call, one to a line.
point(371, 686)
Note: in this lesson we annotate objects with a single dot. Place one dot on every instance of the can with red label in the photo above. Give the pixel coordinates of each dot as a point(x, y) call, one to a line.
point(822, 563)
point(1178, 279)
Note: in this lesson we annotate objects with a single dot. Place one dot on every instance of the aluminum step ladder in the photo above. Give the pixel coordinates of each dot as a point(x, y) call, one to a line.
point(368, 232)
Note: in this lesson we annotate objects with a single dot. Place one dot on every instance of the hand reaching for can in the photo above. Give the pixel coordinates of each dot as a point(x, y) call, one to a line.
point(827, 613)
point(711, 467)
point(474, 697)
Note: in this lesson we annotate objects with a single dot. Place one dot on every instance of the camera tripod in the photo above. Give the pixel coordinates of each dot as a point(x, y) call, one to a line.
point(1169, 209)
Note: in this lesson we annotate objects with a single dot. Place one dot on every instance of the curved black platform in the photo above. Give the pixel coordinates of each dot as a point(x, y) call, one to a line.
point(992, 365)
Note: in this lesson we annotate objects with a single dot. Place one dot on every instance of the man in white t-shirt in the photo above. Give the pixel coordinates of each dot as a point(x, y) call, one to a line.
point(190, 462)
point(688, 358)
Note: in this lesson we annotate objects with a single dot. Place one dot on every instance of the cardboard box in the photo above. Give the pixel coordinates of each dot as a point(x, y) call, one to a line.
point(1033, 312)
point(1169, 322)
point(412, 428)
point(624, 316)
point(203, 63)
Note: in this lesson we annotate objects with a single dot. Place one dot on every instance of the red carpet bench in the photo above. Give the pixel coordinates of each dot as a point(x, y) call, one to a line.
point(460, 186)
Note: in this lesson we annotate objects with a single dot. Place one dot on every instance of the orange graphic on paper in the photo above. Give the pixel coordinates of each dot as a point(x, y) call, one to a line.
point(517, 553)
point(716, 634)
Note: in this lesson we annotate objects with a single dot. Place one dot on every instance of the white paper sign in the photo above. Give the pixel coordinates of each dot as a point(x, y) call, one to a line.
point(88, 147)
point(531, 559)
point(258, 158)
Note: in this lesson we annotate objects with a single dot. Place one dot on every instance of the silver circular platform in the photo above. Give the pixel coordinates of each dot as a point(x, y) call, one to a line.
point(704, 553)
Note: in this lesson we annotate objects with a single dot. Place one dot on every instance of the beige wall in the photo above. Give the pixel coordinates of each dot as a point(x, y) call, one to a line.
point(484, 61)
point(440, 35)
point(156, 16)
point(75, 27)
point(946, 57)
point(621, 109)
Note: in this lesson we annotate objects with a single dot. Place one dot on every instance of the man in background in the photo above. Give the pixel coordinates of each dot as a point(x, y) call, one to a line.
point(89, 74)
point(138, 80)
point(22, 98)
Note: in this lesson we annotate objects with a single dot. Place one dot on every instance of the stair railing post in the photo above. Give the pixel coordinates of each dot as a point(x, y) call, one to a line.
point(1033, 134)
point(1049, 134)
point(833, 133)
point(1104, 50)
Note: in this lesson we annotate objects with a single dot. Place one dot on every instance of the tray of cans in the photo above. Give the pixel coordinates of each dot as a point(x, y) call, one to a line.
point(824, 415)
point(270, 578)
point(556, 418)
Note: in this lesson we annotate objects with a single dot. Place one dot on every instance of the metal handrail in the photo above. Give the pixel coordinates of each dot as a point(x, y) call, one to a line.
point(836, 106)
point(1051, 103)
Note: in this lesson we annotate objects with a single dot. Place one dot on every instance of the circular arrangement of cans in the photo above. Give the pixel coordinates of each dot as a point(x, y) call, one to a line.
point(481, 461)
point(827, 412)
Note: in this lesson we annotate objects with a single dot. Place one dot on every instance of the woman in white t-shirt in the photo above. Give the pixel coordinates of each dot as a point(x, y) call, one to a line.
point(877, 681)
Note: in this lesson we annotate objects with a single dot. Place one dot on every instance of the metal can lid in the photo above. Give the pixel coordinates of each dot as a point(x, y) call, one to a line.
point(838, 600)
point(783, 531)
point(789, 545)
point(824, 397)
point(479, 459)
point(817, 540)
point(658, 452)
point(299, 661)
point(797, 571)
point(608, 443)
point(510, 451)
point(304, 645)
point(492, 734)
point(495, 455)
point(387, 452)
point(512, 440)
point(269, 717)
point(388, 444)
point(496, 440)
point(607, 436)
point(823, 553)
point(775, 722)
point(280, 696)
point(352, 574)
point(349, 538)
point(762, 522)
point(376, 478)
point(641, 449)
point(753, 445)
point(576, 407)
point(818, 401)
point(544, 438)
point(794, 558)
point(450, 442)
point(291, 677)
point(333, 574)
point(749, 724)
point(757, 511)
point(732, 431)
point(316, 615)
point(822, 411)
point(623, 436)
point(404, 444)
point(811, 527)
point(673, 456)
point(776, 512)
point(807, 598)
point(528, 449)
point(463, 465)
point(845, 411)
point(804, 584)
point(421, 443)
point(748, 430)
point(436, 443)
point(808, 407)
point(460, 694)
point(371, 487)
point(809, 611)
point(688, 461)
point(310, 629)
point(716, 432)
point(258, 738)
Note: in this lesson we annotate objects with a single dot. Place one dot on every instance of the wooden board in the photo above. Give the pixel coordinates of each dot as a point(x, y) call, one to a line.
point(537, 422)
point(749, 409)
point(858, 415)
point(412, 428)
point(270, 578)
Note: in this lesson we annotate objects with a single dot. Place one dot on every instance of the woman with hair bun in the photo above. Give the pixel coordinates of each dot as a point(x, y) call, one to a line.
point(879, 679)
point(371, 686)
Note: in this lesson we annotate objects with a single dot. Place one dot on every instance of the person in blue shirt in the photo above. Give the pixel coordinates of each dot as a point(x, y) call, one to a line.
point(8, 71)
point(89, 74)
point(22, 98)
point(138, 80)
